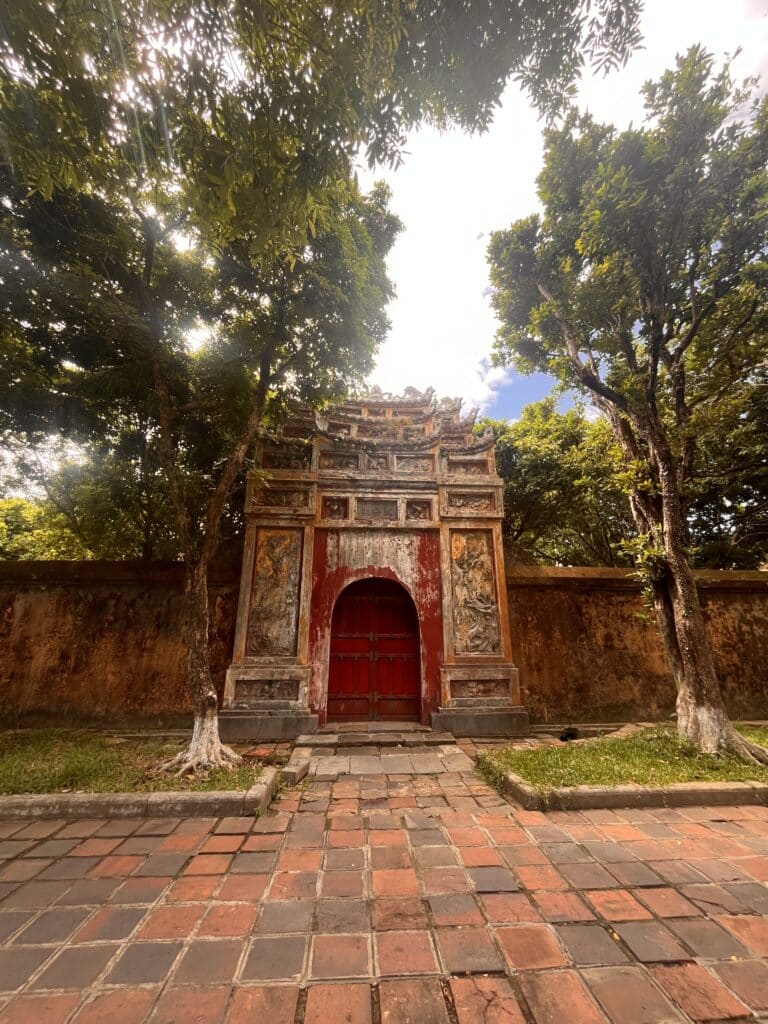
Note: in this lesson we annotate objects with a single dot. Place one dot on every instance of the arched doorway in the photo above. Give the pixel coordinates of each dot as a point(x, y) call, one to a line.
point(374, 663)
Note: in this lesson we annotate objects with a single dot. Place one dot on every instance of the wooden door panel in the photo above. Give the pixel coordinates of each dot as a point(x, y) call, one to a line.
point(374, 658)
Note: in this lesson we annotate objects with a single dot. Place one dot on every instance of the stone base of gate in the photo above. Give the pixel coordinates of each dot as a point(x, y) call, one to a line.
point(482, 721)
point(246, 726)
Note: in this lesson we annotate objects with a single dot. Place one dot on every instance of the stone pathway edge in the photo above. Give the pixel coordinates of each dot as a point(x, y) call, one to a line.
point(679, 794)
point(229, 803)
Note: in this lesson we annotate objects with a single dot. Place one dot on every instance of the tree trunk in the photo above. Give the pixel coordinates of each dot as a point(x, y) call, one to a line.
point(205, 749)
point(701, 715)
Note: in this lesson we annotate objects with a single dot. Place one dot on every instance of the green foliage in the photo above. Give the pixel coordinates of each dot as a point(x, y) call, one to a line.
point(645, 283)
point(563, 500)
point(36, 530)
point(653, 757)
point(69, 760)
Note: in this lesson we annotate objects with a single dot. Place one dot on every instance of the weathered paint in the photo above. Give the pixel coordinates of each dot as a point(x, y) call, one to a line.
point(411, 559)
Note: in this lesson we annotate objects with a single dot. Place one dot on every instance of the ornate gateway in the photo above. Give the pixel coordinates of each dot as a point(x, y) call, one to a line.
point(373, 576)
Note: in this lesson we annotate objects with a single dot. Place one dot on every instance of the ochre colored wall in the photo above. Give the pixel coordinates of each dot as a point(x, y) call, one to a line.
point(587, 648)
point(102, 639)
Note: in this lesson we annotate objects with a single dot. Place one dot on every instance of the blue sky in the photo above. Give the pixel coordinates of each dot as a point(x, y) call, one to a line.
point(453, 189)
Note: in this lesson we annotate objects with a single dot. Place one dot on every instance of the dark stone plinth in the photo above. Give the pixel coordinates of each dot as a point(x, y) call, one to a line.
point(248, 726)
point(478, 721)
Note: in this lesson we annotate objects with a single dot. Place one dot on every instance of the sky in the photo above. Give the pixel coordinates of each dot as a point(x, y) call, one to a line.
point(453, 189)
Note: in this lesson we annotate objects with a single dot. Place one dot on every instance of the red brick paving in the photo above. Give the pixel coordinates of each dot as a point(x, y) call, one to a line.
point(404, 900)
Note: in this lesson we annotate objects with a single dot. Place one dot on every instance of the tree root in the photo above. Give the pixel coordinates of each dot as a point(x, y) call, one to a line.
point(744, 749)
point(190, 762)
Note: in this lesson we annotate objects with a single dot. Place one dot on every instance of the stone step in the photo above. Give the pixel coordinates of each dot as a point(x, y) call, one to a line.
point(362, 741)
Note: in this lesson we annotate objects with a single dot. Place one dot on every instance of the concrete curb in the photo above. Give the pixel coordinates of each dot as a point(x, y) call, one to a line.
point(590, 798)
point(223, 804)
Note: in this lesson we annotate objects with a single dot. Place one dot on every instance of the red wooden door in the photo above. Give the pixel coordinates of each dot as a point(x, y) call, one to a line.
point(374, 664)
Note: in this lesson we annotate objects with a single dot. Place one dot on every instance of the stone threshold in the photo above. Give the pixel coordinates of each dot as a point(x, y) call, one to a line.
point(329, 742)
point(678, 794)
point(214, 804)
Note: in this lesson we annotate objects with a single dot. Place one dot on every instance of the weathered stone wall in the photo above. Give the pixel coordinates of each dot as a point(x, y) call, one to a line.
point(102, 639)
point(587, 649)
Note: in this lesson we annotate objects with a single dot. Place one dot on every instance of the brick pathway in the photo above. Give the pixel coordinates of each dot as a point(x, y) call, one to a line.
point(388, 900)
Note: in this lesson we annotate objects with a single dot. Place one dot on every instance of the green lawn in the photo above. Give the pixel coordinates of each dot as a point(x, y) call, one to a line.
point(654, 757)
point(79, 761)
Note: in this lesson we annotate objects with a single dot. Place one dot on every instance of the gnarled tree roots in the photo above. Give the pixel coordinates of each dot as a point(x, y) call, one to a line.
point(205, 751)
point(711, 732)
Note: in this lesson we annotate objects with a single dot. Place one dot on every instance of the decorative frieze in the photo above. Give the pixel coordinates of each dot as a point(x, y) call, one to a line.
point(339, 461)
point(468, 467)
point(418, 510)
point(475, 606)
point(287, 457)
point(415, 464)
point(471, 501)
point(274, 604)
point(335, 508)
point(382, 509)
point(282, 498)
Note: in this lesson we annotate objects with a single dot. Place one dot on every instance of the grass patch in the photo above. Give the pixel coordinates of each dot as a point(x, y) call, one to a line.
point(654, 757)
point(80, 761)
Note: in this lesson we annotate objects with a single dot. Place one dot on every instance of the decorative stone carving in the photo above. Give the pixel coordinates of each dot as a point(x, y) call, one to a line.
point(377, 461)
point(419, 510)
point(475, 611)
point(377, 508)
point(468, 467)
point(287, 458)
point(472, 502)
point(335, 508)
point(281, 499)
point(339, 461)
point(273, 619)
point(365, 429)
point(413, 433)
point(415, 464)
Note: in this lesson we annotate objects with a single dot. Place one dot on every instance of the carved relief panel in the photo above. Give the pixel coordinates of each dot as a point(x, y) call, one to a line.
point(281, 498)
point(471, 501)
point(337, 461)
point(415, 464)
point(335, 508)
point(416, 509)
point(273, 619)
point(475, 609)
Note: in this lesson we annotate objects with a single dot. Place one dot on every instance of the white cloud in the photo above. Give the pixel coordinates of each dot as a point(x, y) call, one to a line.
point(452, 190)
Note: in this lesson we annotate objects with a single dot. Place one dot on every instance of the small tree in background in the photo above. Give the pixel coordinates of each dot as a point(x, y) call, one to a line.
point(645, 283)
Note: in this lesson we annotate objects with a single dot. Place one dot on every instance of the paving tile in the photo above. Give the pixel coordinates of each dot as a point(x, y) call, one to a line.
point(748, 979)
point(45, 1009)
point(110, 924)
point(75, 967)
point(562, 906)
point(509, 908)
point(531, 947)
point(162, 865)
point(342, 916)
point(340, 956)
point(144, 963)
point(399, 914)
point(272, 1003)
point(275, 957)
point(548, 994)
point(617, 905)
point(13, 921)
point(490, 1000)
point(350, 1004)
point(540, 876)
point(398, 882)
point(628, 996)
point(140, 890)
point(399, 953)
point(590, 944)
point(493, 879)
point(16, 965)
point(190, 889)
point(698, 993)
point(633, 873)
point(299, 885)
point(668, 903)
point(468, 950)
point(228, 920)
point(35, 895)
point(344, 860)
point(89, 892)
point(120, 1006)
point(707, 939)
point(170, 922)
point(53, 926)
point(751, 931)
point(412, 1001)
point(282, 917)
point(207, 1005)
point(455, 909)
point(242, 887)
point(208, 962)
point(341, 883)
